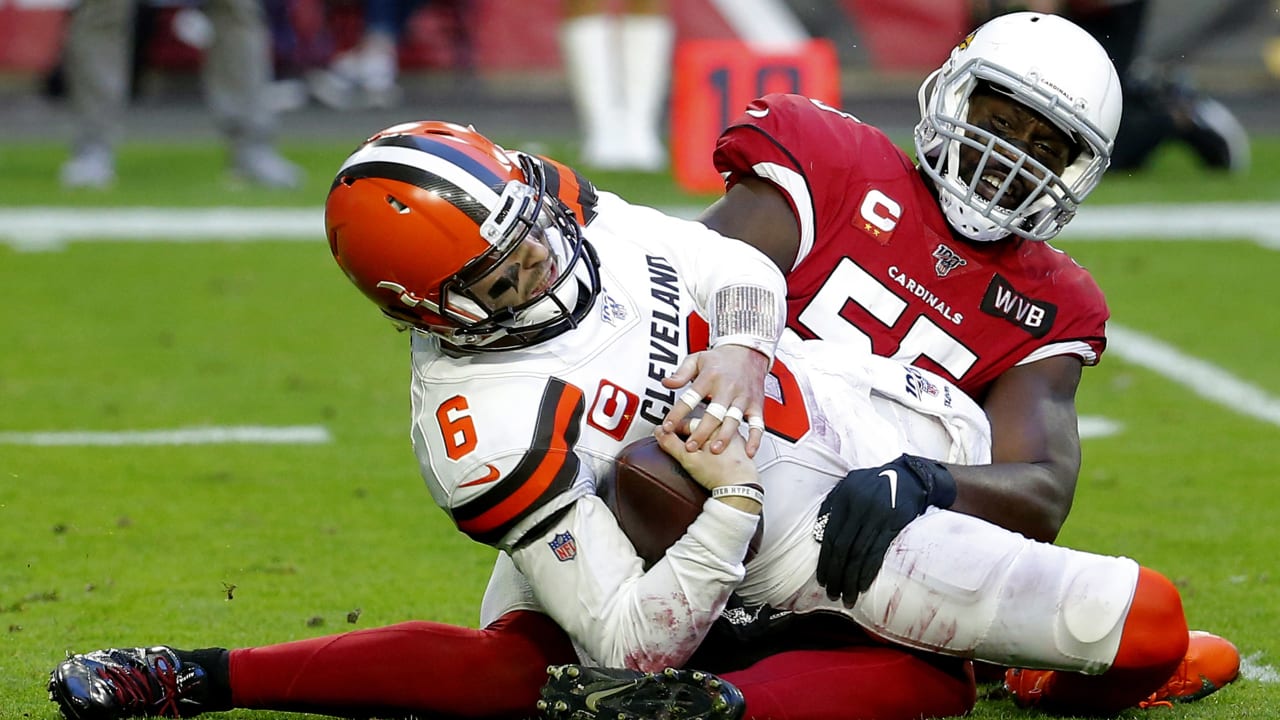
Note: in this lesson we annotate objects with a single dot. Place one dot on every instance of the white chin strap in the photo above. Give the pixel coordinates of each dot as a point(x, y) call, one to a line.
point(968, 222)
point(546, 308)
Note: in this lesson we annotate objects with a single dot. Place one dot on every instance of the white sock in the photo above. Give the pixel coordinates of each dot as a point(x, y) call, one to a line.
point(589, 46)
point(646, 64)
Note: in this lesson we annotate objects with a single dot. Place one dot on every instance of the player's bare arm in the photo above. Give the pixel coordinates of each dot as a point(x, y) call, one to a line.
point(754, 212)
point(743, 301)
point(1035, 449)
point(757, 214)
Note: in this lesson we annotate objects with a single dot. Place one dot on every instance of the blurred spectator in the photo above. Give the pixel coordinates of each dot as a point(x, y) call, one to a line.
point(236, 76)
point(301, 42)
point(365, 76)
point(618, 68)
point(300, 36)
point(1160, 104)
point(144, 21)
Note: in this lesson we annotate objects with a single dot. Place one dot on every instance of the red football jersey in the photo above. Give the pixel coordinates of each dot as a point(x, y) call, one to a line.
point(879, 267)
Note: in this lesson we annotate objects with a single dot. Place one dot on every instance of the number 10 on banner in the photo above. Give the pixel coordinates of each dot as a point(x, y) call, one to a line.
point(713, 80)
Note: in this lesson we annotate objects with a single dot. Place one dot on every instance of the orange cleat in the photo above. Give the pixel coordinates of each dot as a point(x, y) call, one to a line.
point(1028, 687)
point(1211, 662)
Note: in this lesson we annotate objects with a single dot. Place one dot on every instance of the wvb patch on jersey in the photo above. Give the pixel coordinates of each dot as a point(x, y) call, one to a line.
point(564, 546)
point(1003, 301)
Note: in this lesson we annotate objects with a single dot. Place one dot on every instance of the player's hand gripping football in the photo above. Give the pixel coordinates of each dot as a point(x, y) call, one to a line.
point(731, 378)
point(713, 470)
point(865, 511)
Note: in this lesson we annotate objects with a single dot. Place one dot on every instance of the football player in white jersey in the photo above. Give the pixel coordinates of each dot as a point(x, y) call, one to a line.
point(547, 334)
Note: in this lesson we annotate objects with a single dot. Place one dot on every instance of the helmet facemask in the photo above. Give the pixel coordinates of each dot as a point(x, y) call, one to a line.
point(524, 211)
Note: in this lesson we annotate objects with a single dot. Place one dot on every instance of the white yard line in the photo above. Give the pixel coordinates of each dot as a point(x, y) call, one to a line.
point(51, 228)
point(1199, 376)
point(1259, 222)
point(1094, 426)
point(1252, 668)
point(242, 434)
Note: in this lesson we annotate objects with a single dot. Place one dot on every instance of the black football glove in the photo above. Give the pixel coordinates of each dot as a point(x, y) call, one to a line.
point(865, 511)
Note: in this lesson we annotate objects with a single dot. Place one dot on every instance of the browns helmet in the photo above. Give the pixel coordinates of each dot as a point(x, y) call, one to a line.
point(421, 211)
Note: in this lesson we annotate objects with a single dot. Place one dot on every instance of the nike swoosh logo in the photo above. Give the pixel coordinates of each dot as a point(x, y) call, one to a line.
point(594, 698)
point(488, 477)
point(892, 486)
point(757, 113)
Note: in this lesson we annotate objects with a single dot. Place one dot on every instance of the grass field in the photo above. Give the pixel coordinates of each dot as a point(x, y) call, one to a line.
point(250, 543)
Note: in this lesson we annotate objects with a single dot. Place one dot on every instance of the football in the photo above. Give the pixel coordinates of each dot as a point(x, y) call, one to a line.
point(655, 500)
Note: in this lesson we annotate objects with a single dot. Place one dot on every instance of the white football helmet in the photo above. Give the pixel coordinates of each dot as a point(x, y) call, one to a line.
point(1049, 65)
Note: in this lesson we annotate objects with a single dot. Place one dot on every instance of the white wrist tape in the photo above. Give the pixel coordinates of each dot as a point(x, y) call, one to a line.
point(748, 315)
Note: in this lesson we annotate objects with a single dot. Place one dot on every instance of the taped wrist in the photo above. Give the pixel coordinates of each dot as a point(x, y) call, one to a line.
point(747, 315)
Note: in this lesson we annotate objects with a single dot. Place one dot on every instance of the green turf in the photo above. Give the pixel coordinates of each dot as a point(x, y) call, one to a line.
point(236, 545)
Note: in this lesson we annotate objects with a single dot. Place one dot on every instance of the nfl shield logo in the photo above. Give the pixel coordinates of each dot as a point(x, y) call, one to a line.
point(564, 546)
point(948, 260)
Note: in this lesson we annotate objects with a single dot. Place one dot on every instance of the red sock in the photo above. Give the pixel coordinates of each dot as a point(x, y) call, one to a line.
point(1153, 643)
point(856, 683)
point(423, 667)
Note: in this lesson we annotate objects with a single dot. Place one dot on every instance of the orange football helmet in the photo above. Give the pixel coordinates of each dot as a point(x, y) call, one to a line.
point(421, 211)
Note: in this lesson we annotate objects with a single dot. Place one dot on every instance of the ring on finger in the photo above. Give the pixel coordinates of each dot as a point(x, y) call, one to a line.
point(691, 398)
point(734, 412)
point(755, 422)
point(716, 410)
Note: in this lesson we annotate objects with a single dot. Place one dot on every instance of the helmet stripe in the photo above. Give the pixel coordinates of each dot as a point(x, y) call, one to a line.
point(572, 188)
point(479, 188)
point(424, 179)
point(545, 472)
point(449, 152)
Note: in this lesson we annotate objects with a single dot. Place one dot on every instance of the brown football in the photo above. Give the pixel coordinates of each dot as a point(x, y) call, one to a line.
point(655, 500)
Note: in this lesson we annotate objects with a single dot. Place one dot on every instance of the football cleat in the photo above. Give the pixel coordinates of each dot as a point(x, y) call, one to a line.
point(1210, 663)
point(1027, 687)
point(127, 683)
point(575, 692)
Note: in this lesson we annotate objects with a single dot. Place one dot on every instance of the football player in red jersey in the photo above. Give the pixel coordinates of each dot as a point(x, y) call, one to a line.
point(944, 264)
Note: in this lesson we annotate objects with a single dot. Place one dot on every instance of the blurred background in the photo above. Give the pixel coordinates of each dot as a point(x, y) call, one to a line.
point(501, 64)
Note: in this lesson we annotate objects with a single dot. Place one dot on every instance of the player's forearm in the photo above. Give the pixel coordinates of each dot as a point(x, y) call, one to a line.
point(620, 615)
point(1029, 498)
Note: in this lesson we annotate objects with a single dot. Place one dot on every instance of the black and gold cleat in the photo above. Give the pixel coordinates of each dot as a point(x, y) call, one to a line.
point(576, 692)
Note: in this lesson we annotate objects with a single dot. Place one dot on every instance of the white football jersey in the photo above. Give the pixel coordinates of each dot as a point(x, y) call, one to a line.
point(513, 444)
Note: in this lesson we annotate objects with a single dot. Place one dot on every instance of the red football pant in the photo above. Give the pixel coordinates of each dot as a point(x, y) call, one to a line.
point(496, 673)
point(861, 682)
point(424, 667)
